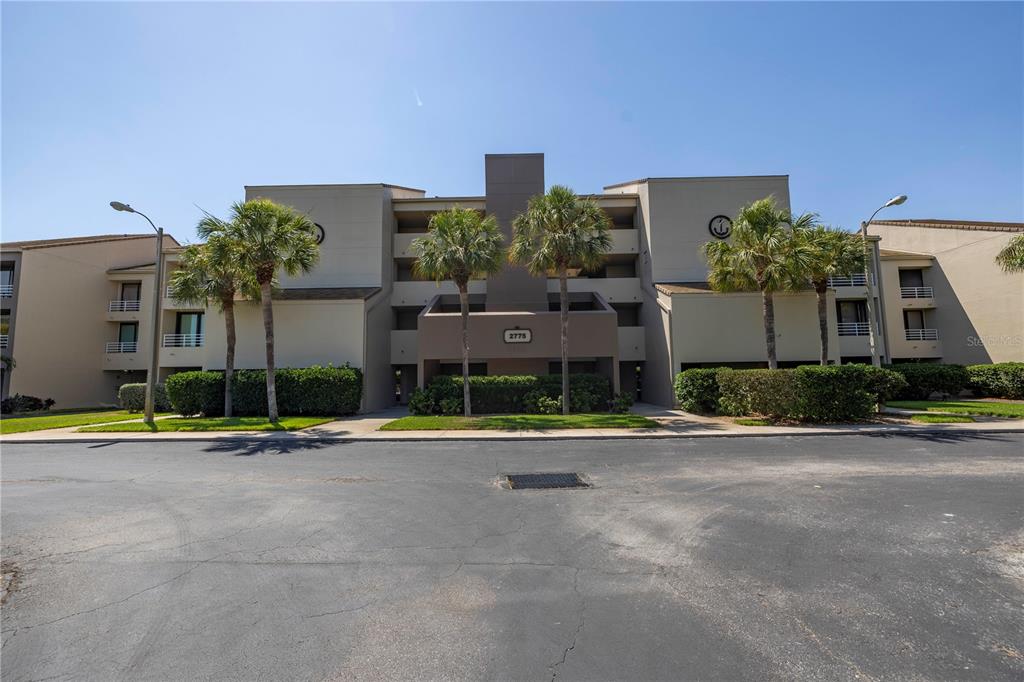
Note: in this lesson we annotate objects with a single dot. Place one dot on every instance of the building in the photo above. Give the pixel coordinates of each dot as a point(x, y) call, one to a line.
point(74, 315)
point(945, 300)
point(646, 314)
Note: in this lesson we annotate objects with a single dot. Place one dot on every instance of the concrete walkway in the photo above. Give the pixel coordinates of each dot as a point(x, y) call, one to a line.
point(673, 424)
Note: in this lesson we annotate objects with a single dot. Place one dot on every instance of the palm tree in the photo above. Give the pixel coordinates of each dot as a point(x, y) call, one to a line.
point(462, 245)
point(762, 255)
point(210, 272)
point(558, 231)
point(1011, 258)
point(272, 238)
point(832, 252)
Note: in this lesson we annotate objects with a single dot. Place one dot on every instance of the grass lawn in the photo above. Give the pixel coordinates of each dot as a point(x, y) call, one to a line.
point(753, 421)
point(41, 421)
point(520, 422)
point(214, 424)
point(993, 409)
point(941, 418)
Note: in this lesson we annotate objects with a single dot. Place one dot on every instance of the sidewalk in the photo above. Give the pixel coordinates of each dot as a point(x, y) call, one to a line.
point(674, 424)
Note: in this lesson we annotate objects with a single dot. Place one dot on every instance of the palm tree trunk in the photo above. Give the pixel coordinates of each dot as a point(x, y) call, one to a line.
point(464, 305)
point(268, 329)
point(769, 327)
point(821, 291)
point(563, 305)
point(228, 304)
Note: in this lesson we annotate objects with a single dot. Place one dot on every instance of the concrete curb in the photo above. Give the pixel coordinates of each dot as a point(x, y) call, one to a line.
point(255, 438)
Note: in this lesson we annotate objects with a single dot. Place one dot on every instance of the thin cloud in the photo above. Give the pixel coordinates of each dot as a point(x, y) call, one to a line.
point(419, 102)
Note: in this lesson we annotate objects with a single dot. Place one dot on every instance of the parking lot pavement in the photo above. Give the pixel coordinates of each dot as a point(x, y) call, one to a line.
point(786, 558)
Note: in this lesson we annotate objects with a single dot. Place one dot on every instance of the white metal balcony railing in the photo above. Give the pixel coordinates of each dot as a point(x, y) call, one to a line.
point(183, 340)
point(6, 290)
point(122, 347)
point(916, 292)
point(123, 306)
point(857, 279)
point(853, 329)
point(4, 340)
point(922, 334)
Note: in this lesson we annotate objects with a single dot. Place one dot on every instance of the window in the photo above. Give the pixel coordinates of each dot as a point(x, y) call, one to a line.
point(913, 319)
point(5, 322)
point(851, 311)
point(7, 273)
point(912, 278)
point(190, 328)
point(128, 332)
point(130, 291)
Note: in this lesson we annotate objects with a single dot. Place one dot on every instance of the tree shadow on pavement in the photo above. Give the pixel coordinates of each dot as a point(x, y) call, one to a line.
point(248, 447)
point(952, 436)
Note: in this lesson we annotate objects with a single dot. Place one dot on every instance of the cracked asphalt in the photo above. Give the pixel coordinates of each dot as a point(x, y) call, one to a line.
point(886, 557)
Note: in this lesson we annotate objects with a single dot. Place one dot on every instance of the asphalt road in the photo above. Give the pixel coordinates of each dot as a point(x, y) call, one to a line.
point(768, 558)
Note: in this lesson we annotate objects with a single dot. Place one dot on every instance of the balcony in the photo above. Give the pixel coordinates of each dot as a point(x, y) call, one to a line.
point(632, 343)
point(916, 292)
point(419, 293)
point(403, 347)
point(183, 340)
point(4, 340)
point(857, 279)
point(854, 329)
point(625, 241)
point(613, 289)
point(922, 334)
point(121, 347)
point(6, 290)
point(123, 306)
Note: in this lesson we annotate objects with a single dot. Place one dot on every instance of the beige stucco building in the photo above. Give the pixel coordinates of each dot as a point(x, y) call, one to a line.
point(643, 316)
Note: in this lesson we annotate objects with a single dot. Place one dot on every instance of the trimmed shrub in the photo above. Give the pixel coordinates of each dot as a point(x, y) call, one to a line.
point(192, 393)
point(508, 394)
point(622, 403)
point(766, 392)
point(924, 379)
point(300, 391)
point(25, 403)
point(884, 384)
point(696, 389)
point(834, 393)
point(1001, 380)
point(132, 397)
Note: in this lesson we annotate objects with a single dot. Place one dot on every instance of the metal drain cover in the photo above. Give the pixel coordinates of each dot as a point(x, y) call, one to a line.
point(526, 481)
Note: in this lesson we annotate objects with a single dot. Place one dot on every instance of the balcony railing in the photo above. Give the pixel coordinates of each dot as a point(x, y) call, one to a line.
point(922, 334)
point(853, 329)
point(916, 292)
point(6, 290)
point(183, 340)
point(123, 307)
point(4, 340)
point(122, 346)
point(857, 279)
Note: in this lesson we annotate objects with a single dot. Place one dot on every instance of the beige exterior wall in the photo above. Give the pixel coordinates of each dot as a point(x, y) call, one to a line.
point(729, 328)
point(978, 309)
point(63, 323)
point(306, 333)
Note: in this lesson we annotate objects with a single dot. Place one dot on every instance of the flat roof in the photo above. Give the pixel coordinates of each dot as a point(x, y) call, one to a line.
point(684, 287)
point(941, 224)
point(74, 241)
point(334, 184)
point(893, 254)
point(325, 294)
point(696, 178)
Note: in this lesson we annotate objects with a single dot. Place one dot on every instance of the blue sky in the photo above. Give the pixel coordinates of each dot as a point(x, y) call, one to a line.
point(178, 105)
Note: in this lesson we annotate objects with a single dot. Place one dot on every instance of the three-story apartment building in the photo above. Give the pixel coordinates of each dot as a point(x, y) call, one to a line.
point(640, 318)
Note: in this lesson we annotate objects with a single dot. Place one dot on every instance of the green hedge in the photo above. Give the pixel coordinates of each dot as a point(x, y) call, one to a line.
point(511, 394)
point(132, 397)
point(1001, 380)
point(924, 379)
point(696, 389)
point(809, 393)
point(305, 391)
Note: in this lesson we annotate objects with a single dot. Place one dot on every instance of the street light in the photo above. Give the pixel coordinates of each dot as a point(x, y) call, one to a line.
point(869, 266)
point(154, 355)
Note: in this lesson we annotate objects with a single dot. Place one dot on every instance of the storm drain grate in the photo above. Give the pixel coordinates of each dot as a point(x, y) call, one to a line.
point(525, 481)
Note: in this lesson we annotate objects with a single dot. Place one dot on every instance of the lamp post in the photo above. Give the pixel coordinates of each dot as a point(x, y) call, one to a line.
point(869, 267)
point(154, 354)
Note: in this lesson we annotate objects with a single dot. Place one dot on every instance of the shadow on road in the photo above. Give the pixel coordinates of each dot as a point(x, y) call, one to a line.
point(276, 446)
point(950, 436)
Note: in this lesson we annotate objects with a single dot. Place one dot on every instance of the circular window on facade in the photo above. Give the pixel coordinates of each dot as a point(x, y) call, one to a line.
point(320, 234)
point(720, 226)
